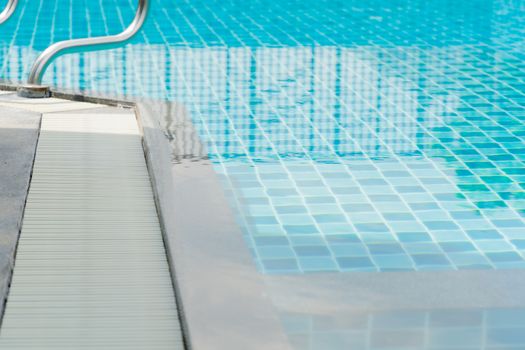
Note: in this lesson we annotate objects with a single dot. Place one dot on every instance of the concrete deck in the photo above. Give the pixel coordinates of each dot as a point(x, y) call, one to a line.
point(18, 138)
point(91, 271)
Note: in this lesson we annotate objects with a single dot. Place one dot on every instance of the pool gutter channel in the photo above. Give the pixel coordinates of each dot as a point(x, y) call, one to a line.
point(153, 177)
point(4, 297)
point(149, 162)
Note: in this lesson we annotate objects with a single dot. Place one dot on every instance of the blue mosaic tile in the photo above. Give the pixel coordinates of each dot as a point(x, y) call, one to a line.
point(398, 262)
point(349, 250)
point(317, 264)
point(504, 257)
point(281, 265)
point(355, 263)
point(408, 237)
point(385, 248)
point(310, 251)
point(349, 137)
point(430, 260)
point(509, 336)
point(470, 259)
point(484, 234)
point(456, 247)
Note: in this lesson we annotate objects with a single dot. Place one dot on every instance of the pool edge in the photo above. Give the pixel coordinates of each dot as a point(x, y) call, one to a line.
point(223, 296)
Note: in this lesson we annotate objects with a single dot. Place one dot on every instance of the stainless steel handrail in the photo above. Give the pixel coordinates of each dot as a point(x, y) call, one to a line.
point(88, 44)
point(8, 11)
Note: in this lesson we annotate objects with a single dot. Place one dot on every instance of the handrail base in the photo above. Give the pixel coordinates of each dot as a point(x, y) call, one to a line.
point(33, 91)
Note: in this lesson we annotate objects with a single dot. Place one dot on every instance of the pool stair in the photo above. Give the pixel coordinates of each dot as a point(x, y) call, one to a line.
point(34, 87)
point(91, 270)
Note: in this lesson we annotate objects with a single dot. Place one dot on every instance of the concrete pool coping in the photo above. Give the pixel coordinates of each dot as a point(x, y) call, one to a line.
point(226, 303)
point(223, 298)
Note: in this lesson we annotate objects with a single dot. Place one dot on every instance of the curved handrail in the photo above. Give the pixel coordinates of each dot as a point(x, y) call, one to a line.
point(97, 43)
point(8, 11)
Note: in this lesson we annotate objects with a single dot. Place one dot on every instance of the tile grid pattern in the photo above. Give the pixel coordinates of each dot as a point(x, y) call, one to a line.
point(360, 136)
point(491, 329)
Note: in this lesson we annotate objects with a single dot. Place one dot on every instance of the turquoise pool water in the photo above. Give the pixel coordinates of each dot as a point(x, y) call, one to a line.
point(349, 135)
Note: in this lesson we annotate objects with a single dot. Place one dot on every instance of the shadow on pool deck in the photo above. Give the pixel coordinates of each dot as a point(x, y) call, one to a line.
point(18, 138)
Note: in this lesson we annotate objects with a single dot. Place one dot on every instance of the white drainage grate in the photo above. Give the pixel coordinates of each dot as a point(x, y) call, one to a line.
point(91, 270)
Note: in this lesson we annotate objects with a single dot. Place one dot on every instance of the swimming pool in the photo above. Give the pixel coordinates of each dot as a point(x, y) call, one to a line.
point(348, 135)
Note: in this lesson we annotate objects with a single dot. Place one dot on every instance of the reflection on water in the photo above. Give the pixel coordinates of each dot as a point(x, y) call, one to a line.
point(175, 122)
point(350, 136)
point(458, 329)
point(352, 159)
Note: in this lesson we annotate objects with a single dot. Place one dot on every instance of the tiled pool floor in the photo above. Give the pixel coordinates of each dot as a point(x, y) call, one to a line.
point(332, 310)
point(499, 328)
point(386, 160)
point(350, 136)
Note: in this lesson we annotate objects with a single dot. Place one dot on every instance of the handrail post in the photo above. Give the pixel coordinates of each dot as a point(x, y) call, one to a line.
point(35, 88)
point(8, 10)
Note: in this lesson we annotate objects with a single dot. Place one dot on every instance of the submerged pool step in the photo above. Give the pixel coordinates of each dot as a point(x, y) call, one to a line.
point(91, 269)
